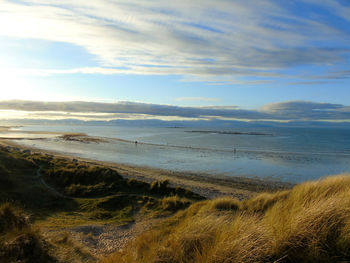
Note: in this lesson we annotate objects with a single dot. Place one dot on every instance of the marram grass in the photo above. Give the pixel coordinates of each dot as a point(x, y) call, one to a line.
point(309, 223)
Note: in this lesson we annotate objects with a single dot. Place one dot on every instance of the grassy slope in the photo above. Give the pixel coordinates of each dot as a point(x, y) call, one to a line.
point(20, 241)
point(310, 223)
point(88, 195)
point(96, 193)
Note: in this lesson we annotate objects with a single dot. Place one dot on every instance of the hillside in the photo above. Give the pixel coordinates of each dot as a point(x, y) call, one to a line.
point(55, 209)
point(310, 223)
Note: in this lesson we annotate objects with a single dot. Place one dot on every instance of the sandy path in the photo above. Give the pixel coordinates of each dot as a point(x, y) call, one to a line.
point(106, 239)
point(102, 239)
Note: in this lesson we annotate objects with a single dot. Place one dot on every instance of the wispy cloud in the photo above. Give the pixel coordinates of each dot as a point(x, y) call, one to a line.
point(307, 110)
point(194, 99)
point(283, 111)
point(200, 39)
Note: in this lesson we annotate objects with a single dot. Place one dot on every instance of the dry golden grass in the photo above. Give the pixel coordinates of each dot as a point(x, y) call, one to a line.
point(309, 223)
point(22, 242)
point(19, 242)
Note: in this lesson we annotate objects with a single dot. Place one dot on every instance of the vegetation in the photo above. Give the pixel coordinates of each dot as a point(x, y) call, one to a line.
point(22, 242)
point(310, 223)
point(18, 241)
point(84, 180)
point(58, 193)
point(166, 205)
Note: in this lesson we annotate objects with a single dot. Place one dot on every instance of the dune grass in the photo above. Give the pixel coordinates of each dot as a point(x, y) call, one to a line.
point(20, 241)
point(78, 179)
point(309, 223)
point(88, 185)
point(60, 194)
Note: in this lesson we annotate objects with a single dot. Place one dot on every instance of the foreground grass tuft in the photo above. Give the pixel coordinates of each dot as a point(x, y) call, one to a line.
point(11, 219)
point(310, 223)
point(18, 241)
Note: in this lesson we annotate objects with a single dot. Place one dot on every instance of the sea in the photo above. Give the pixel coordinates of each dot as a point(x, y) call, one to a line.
point(284, 154)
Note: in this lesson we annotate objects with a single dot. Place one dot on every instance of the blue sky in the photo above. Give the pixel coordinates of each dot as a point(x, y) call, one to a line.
point(246, 54)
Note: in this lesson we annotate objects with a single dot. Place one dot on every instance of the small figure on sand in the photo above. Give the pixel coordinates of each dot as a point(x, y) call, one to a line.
point(234, 150)
point(135, 142)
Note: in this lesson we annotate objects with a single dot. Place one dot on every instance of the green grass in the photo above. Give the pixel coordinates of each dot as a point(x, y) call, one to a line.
point(88, 185)
point(81, 180)
point(165, 206)
point(116, 210)
point(84, 180)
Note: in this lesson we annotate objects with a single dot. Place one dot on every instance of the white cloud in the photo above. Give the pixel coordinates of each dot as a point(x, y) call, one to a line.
point(193, 99)
point(292, 110)
point(192, 38)
point(307, 110)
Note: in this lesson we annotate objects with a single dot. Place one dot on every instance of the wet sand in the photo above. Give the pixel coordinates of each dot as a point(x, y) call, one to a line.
point(207, 185)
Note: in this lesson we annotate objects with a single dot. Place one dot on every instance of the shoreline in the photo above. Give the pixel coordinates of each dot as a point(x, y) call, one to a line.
point(85, 138)
point(204, 184)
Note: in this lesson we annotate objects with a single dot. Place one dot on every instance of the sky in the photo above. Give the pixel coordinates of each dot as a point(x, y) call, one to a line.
point(199, 59)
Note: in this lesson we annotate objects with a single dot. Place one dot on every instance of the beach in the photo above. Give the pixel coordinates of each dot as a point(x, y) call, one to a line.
point(289, 155)
point(204, 184)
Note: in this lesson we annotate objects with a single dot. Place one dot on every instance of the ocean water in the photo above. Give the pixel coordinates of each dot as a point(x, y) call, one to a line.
point(286, 154)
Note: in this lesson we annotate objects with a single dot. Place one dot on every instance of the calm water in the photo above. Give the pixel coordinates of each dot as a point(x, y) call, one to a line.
point(287, 154)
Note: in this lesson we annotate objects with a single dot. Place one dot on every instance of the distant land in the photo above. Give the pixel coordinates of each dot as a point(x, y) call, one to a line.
point(233, 133)
point(215, 123)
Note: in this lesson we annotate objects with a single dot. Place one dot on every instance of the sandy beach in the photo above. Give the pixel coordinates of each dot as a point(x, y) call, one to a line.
point(209, 186)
